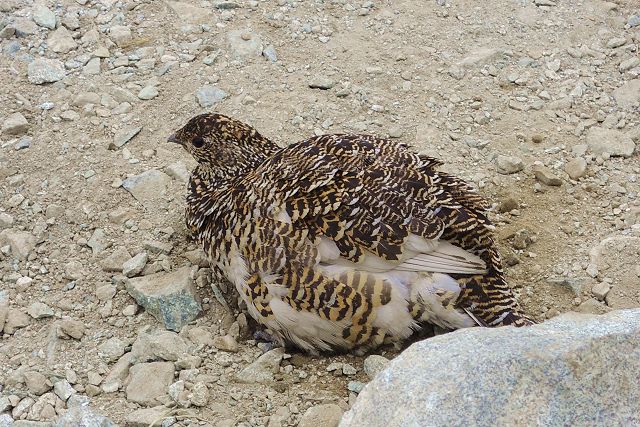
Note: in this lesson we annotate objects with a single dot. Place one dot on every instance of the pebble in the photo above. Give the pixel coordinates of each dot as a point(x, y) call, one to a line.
point(152, 345)
point(123, 136)
point(263, 368)
point(348, 369)
point(199, 394)
point(39, 310)
point(36, 382)
point(44, 17)
point(120, 34)
point(15, 319)
point(616, 42)
point(178, 171)
point(145, 417)
point(6, 220)
point(327, 415)
point(81, 414)
point(148, 382)
point(135, 265)
point(114, 262)
point(269, 52)
point(22, 243)
point(226, 343)
point(602, 140)
point(628, 95)
point(41, 70)
point(23, 143)
point(106, 292)
point(112, 349)
point(600, 290)
point(355, 386)
point(92, 67)
point(633, 21)
point(169, 297)
point(546, 175)
point(63, 389)
point(117, 375)
point(207, 96)
point(323, 83)
point(98, 241)
point(508, 164)
point(72, 328)
point(24, 27)
point(148, 188)
point(244, 43)
point(576, 168)
point(374, 364)
point(15, 124)
point(148, 93)
point(628, 64)
point(61, 41)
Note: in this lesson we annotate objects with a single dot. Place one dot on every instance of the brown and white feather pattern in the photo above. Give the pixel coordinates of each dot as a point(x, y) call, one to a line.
point(342, 241)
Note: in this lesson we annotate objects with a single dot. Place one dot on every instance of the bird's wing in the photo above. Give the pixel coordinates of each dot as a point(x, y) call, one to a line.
point(373, 204)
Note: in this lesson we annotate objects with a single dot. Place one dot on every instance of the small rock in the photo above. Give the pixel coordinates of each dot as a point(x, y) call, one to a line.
point(148, 382)
point(44, 17)
point(15, 124)
point(82, 415)
point(269, 52)
point(509, 164)
point(23, 143)
point(112, 349)
point(117, 375)
point(148, 188)
point(546, 175)
point(123, 136)
point(199, 394)
point(348, 370)
point(40, 71)
point(20, 242)
point(244, 43)
point(602, 140)
point(327, 415)
point(374, 364)
point(323, 83)
point(72, 328)
point(39, 310)
point(576, 168)
point(628, 64)
point(98, 241)
point(63, 389)
point(178, 171)
point(114, 262)
point(6, 220)
point(145, 417)
point(156, 247)
point(628, 95)
point(600, 290)
point(15, 319)
point(537, 138)
point(120, 34)
point(135, 265)
point(226, 343)
point(36, 382)
point(507, 205)
point(24, 27)
point(158, 345)
point(92, 68)
point(148, 92)
point(61, 41)
point(262, 370)
point(207, 96)
point(106, 292)
point(616, 42)
point(169, 297)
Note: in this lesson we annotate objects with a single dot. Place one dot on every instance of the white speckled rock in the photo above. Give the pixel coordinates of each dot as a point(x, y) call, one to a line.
point(571, 370)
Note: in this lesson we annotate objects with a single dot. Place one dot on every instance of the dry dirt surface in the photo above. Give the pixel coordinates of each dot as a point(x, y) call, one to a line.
point(535, 102)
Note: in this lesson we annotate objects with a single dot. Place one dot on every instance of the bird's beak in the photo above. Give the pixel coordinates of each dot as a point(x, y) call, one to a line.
point(173, 138)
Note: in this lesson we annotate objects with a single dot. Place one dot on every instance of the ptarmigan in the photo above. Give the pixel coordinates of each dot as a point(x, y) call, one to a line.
point(342, 241)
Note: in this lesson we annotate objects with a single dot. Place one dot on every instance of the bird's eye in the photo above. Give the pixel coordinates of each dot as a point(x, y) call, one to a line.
point(197, 142)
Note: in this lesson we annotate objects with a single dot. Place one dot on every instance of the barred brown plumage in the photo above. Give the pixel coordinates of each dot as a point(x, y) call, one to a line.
point(342, 241)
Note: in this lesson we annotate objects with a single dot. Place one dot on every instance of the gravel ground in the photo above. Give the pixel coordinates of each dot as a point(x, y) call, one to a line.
point(535, 102)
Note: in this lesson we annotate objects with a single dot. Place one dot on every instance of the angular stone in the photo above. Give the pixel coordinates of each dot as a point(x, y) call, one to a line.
point(135, 265)
point(481, 56)
point(507, 165)
point(600, 290)
point(114, 262)
point(178, 171)
point(39, 310)
point(118, 374)
point(112, 349)
point(82, 415)
point(226, 343)
point(208, 96)
point(148, 188)
point(546, 175)
point(24, 27)
point(63, 389)
point(148, 92)
point(323, 83)
point(6, 220)
point(15, 124)
point(190, 13)
point(145, 417)
point(36, 382)
point(44, 17)
point(614, 256)
point(71, 328)
point(92, 68)
point(244, 43)
point(98, 241)
point(628, 94)
point(148, 382)
point(123, 136)
point(120, 34)
point(60, 41)
point(15, 320)
point(602, 140)
point(263, 368)
point(40, 71)
point(576, 168)
point(327, 415)
point(374, 364)
point(158, 345)
point(169, 297)
point(494, 372)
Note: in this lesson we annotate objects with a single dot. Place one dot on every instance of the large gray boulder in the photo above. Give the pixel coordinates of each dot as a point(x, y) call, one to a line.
point(572, 370)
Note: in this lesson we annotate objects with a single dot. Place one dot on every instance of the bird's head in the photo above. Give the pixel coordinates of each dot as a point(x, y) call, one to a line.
point(223, 143)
